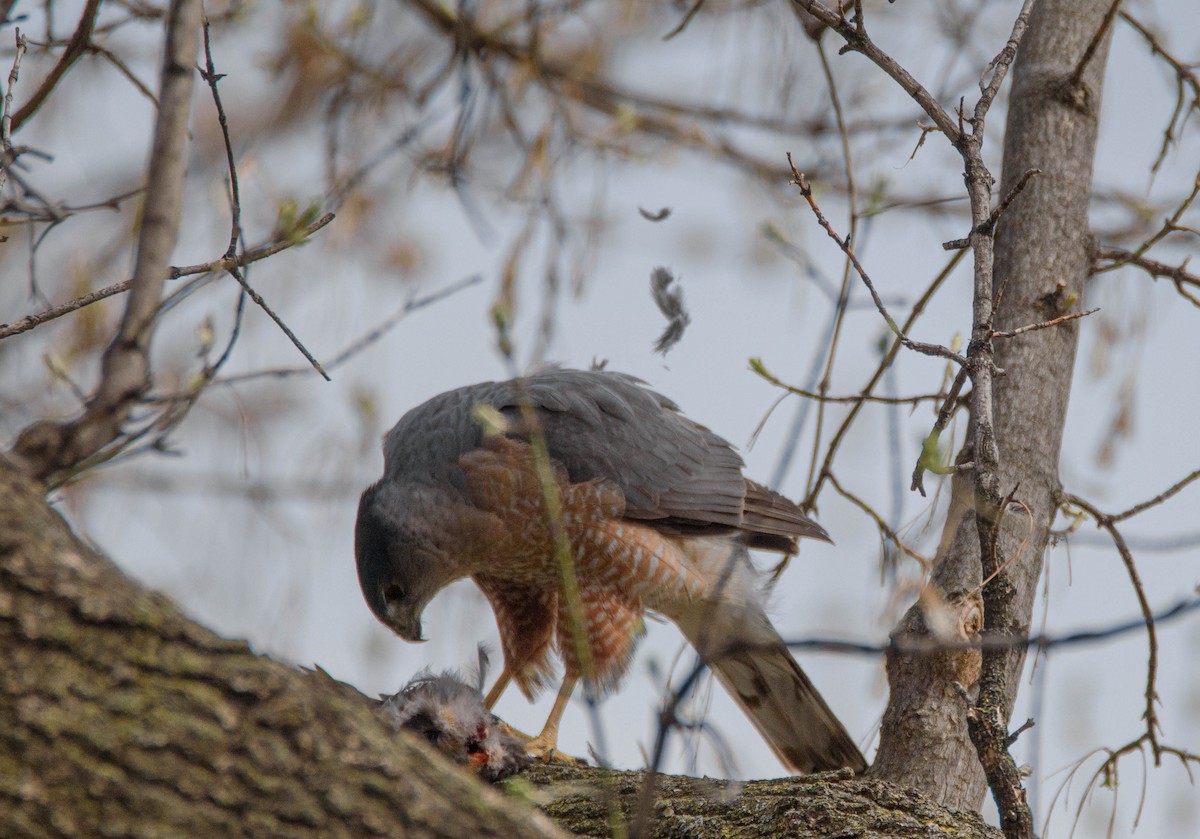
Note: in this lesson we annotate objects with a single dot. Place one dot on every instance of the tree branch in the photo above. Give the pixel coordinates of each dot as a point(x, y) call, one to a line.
point(1108, 523)
point(799, 180)
point(46, 447)
point(76, 48)
point(1178, 274)
point(246, 257)
point(7, 154)
point(857, 40)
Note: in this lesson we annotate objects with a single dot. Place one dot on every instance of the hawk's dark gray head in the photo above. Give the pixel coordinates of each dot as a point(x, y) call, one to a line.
point(402, 547)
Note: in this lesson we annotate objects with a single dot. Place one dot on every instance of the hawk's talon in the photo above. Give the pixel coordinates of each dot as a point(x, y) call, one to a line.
point(541, 748)
point(515, 732)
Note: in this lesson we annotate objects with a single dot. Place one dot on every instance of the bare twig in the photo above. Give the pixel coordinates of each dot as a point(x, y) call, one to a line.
point(1186, 78)
point(1156, 500)
point(1108, 774)
point(30, 216)
point(1169, 543)
point(246, 257)
point(1002, 566)
point(1178, 274)
point(1021, 729)
point(856, 40)
point(882, 526)
point(668, 715)
point(76, 48)
point(843, 297)
point(122, 68)
point(801, 181)
point(1170, 225)
point(7, 155)
point(989, 226)
point(757, 366)
point(998, 67)
point(276, 245)
point(211, 76)
point(687, 18)
point(359, 345)
point(1094, 44)
point(1043, 642)
point(689, 125)
point(262, 304)
point(1046, 324)
point(1108, 523)
point(917, 310)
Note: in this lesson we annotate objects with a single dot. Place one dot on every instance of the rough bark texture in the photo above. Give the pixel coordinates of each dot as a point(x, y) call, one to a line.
point(590, 802)
point(1042, 262)
point(119, 717)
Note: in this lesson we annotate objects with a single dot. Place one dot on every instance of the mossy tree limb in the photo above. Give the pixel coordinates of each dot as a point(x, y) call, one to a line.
point(120, 717)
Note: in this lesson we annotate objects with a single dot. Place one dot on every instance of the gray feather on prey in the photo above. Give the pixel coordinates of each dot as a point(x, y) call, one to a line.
point(449, 713)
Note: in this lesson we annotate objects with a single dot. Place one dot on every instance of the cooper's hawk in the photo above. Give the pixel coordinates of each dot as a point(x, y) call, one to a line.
point(654, 512)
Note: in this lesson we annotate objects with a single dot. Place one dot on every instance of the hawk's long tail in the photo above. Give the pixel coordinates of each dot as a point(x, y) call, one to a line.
point(736, 639)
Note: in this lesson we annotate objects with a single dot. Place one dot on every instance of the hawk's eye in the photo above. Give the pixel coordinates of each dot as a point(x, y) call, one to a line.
point(393, 593)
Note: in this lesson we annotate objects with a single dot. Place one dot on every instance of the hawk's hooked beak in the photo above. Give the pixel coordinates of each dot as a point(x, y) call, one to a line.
point(405, 623)
point(410, 631)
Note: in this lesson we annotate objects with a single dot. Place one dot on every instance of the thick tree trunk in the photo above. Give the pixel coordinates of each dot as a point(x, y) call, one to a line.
point(1042, 262)
point(120, 717)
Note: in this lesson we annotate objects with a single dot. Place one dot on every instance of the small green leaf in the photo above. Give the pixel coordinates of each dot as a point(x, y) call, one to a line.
point(489, 419)
point(932, 457)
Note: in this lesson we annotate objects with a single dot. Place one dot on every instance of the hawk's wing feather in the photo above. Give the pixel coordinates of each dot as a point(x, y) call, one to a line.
point(674, 473)
point(772, 514)
point(608, 425)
